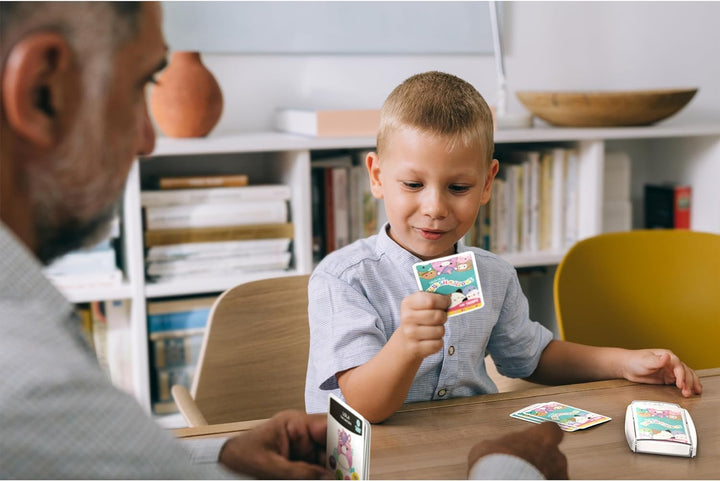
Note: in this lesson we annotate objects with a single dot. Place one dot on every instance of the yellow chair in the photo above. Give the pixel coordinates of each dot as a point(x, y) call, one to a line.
point(643, 289)
point(254, 355)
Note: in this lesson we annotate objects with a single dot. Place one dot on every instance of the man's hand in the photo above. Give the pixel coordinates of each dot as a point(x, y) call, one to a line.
point(537, 445)
point(660, 366)
point(422, 323)
point(291, 445)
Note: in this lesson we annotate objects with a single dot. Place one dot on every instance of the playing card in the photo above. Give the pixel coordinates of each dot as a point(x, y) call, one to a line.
point(454, 275)
point(569, 418)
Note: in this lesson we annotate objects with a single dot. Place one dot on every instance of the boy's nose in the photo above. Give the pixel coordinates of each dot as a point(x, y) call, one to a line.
point(434, 204)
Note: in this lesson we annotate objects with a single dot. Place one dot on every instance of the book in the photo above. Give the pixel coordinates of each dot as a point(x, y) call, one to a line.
point(348, 441)
point(176, 350)
point(83, 262)
point(179, 314)
point(119, 340)
point(184, 267)
point(214, 195)
point(99, 332)
point(660, 428)
point(557, 201)
point(667, 206)
point(200, 181)
point(213, 250)
point(571, 204)
point(216, 215)
point(85, 318)
point(165, 378)
point(328, 123)
point(164, 237)
point(90, 280)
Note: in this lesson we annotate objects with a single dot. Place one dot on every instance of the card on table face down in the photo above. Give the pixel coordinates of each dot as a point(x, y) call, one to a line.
point(454, 275)
point(569, 418)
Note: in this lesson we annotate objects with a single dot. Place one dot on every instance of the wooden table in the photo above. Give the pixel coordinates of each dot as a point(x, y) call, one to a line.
point(431, 440)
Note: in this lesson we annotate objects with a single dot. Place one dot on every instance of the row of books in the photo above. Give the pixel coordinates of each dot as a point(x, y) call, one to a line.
point(106, 325)
point(175, 330)
point(343, 207)
point(92, 267)
point(210, 231)
point(534, 203)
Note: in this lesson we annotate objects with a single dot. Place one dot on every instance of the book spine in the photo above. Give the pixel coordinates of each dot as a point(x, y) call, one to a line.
point(177, 320)
point(119, 355)
point(163, 237)
point(166, 378)
point(176, 351)
point(340, 205)
point(191, 182)
point(215, 215)
point(329, 212)
point(215, 195)
point(558, 187)
point(190, 266)
point(682, 207)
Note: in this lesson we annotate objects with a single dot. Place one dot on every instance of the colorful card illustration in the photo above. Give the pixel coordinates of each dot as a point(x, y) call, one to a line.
point(569, 418)
point(348, 441)
point(660, 421)
point(454, 275)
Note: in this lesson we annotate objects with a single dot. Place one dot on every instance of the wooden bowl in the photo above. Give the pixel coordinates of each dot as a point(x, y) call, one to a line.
point(605, 109)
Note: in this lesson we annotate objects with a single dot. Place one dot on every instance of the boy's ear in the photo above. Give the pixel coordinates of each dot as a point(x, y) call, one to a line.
point(489, 177)
point(373, 166)
point(37, 86)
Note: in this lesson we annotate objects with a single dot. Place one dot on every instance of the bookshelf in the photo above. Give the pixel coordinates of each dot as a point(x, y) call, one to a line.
point(683, 153)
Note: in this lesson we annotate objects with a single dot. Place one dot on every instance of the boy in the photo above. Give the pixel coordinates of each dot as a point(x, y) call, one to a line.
point(376, 340)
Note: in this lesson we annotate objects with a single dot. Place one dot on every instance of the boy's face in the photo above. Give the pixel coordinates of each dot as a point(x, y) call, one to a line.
point(432, 196)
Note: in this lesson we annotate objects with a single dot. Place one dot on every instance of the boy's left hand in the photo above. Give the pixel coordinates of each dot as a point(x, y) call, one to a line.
point(661, 366)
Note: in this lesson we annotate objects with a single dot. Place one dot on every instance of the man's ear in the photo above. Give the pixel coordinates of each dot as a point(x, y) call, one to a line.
point(489, 177)
point(373, 166)
point(37, 85)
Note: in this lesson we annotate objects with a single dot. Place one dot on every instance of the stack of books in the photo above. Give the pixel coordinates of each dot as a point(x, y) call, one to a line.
point(176, 329)
point(343, 207)
point(533, 206)
point(211, 231)
point(88, 268)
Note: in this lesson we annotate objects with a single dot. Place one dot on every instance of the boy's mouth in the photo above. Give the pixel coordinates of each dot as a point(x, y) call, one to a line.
point(430, 234)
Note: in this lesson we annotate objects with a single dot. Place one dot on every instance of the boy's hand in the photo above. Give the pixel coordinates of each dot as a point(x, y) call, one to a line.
point(661, 366)
point(422, 323)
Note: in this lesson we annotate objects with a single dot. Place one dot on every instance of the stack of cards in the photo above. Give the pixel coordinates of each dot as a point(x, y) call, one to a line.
point(348, 441)
point(567, 417)
point(660, 428)
point(454, 275)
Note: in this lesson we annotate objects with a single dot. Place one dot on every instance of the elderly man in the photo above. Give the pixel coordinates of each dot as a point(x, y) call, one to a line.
point(73, 117)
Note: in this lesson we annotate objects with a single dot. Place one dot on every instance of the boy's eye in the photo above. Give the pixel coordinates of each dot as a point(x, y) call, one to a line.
point(412, 185)
point(459, 188)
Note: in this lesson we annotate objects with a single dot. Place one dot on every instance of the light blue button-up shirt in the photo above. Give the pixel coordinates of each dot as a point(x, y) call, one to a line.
point(354, 308)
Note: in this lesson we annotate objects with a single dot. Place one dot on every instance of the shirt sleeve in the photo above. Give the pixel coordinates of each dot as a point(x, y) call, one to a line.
point(503, 466)
point(516, 342)
point(345, 329)
point(204, 451)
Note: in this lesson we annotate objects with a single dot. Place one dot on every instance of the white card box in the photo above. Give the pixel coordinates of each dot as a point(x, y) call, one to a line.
point(660, 428)
point(348, 441)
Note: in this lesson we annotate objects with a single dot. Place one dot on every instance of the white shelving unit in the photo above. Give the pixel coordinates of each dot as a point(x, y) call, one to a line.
point(683, 153)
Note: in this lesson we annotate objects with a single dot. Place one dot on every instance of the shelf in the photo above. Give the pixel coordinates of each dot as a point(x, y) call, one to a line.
point(277, 141)
point(204, 285)
point(90, 294)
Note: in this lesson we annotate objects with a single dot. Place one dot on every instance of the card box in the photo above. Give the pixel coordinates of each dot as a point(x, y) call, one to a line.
point(660, 428)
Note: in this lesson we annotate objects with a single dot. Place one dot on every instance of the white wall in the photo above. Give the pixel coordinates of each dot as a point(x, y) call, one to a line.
point(549, 46)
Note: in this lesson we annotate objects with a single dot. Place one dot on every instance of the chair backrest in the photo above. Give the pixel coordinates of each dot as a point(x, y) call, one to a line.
point(643, 289)
point(255, 353)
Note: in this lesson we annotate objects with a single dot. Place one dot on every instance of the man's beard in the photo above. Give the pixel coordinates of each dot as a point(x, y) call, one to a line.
point(55, 241)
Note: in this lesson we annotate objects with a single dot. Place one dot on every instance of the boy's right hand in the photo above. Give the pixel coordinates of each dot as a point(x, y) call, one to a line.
point(422, 323)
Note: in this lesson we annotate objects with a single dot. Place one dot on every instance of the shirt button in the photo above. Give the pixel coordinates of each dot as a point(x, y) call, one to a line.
point(451, 350)
point(442, 392)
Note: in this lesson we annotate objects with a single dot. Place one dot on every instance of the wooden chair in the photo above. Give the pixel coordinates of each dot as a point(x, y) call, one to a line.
point(254, 355)
point(641, 289)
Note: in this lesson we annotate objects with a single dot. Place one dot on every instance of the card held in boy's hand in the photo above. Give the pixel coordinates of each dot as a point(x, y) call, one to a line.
point(454, 275)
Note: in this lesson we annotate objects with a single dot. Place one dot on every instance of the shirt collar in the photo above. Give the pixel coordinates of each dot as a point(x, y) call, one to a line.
point(398, 254)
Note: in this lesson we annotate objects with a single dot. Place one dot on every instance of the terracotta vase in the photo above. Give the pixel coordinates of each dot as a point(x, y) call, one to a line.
point(187, 100)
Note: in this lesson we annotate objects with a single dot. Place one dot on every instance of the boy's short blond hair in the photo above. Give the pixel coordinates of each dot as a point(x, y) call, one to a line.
point(439, 103)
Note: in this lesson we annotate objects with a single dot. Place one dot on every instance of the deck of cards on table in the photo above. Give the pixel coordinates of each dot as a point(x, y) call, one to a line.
point(454, 275)
point(569, 418)
point(348, 441)
point(660, 428)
